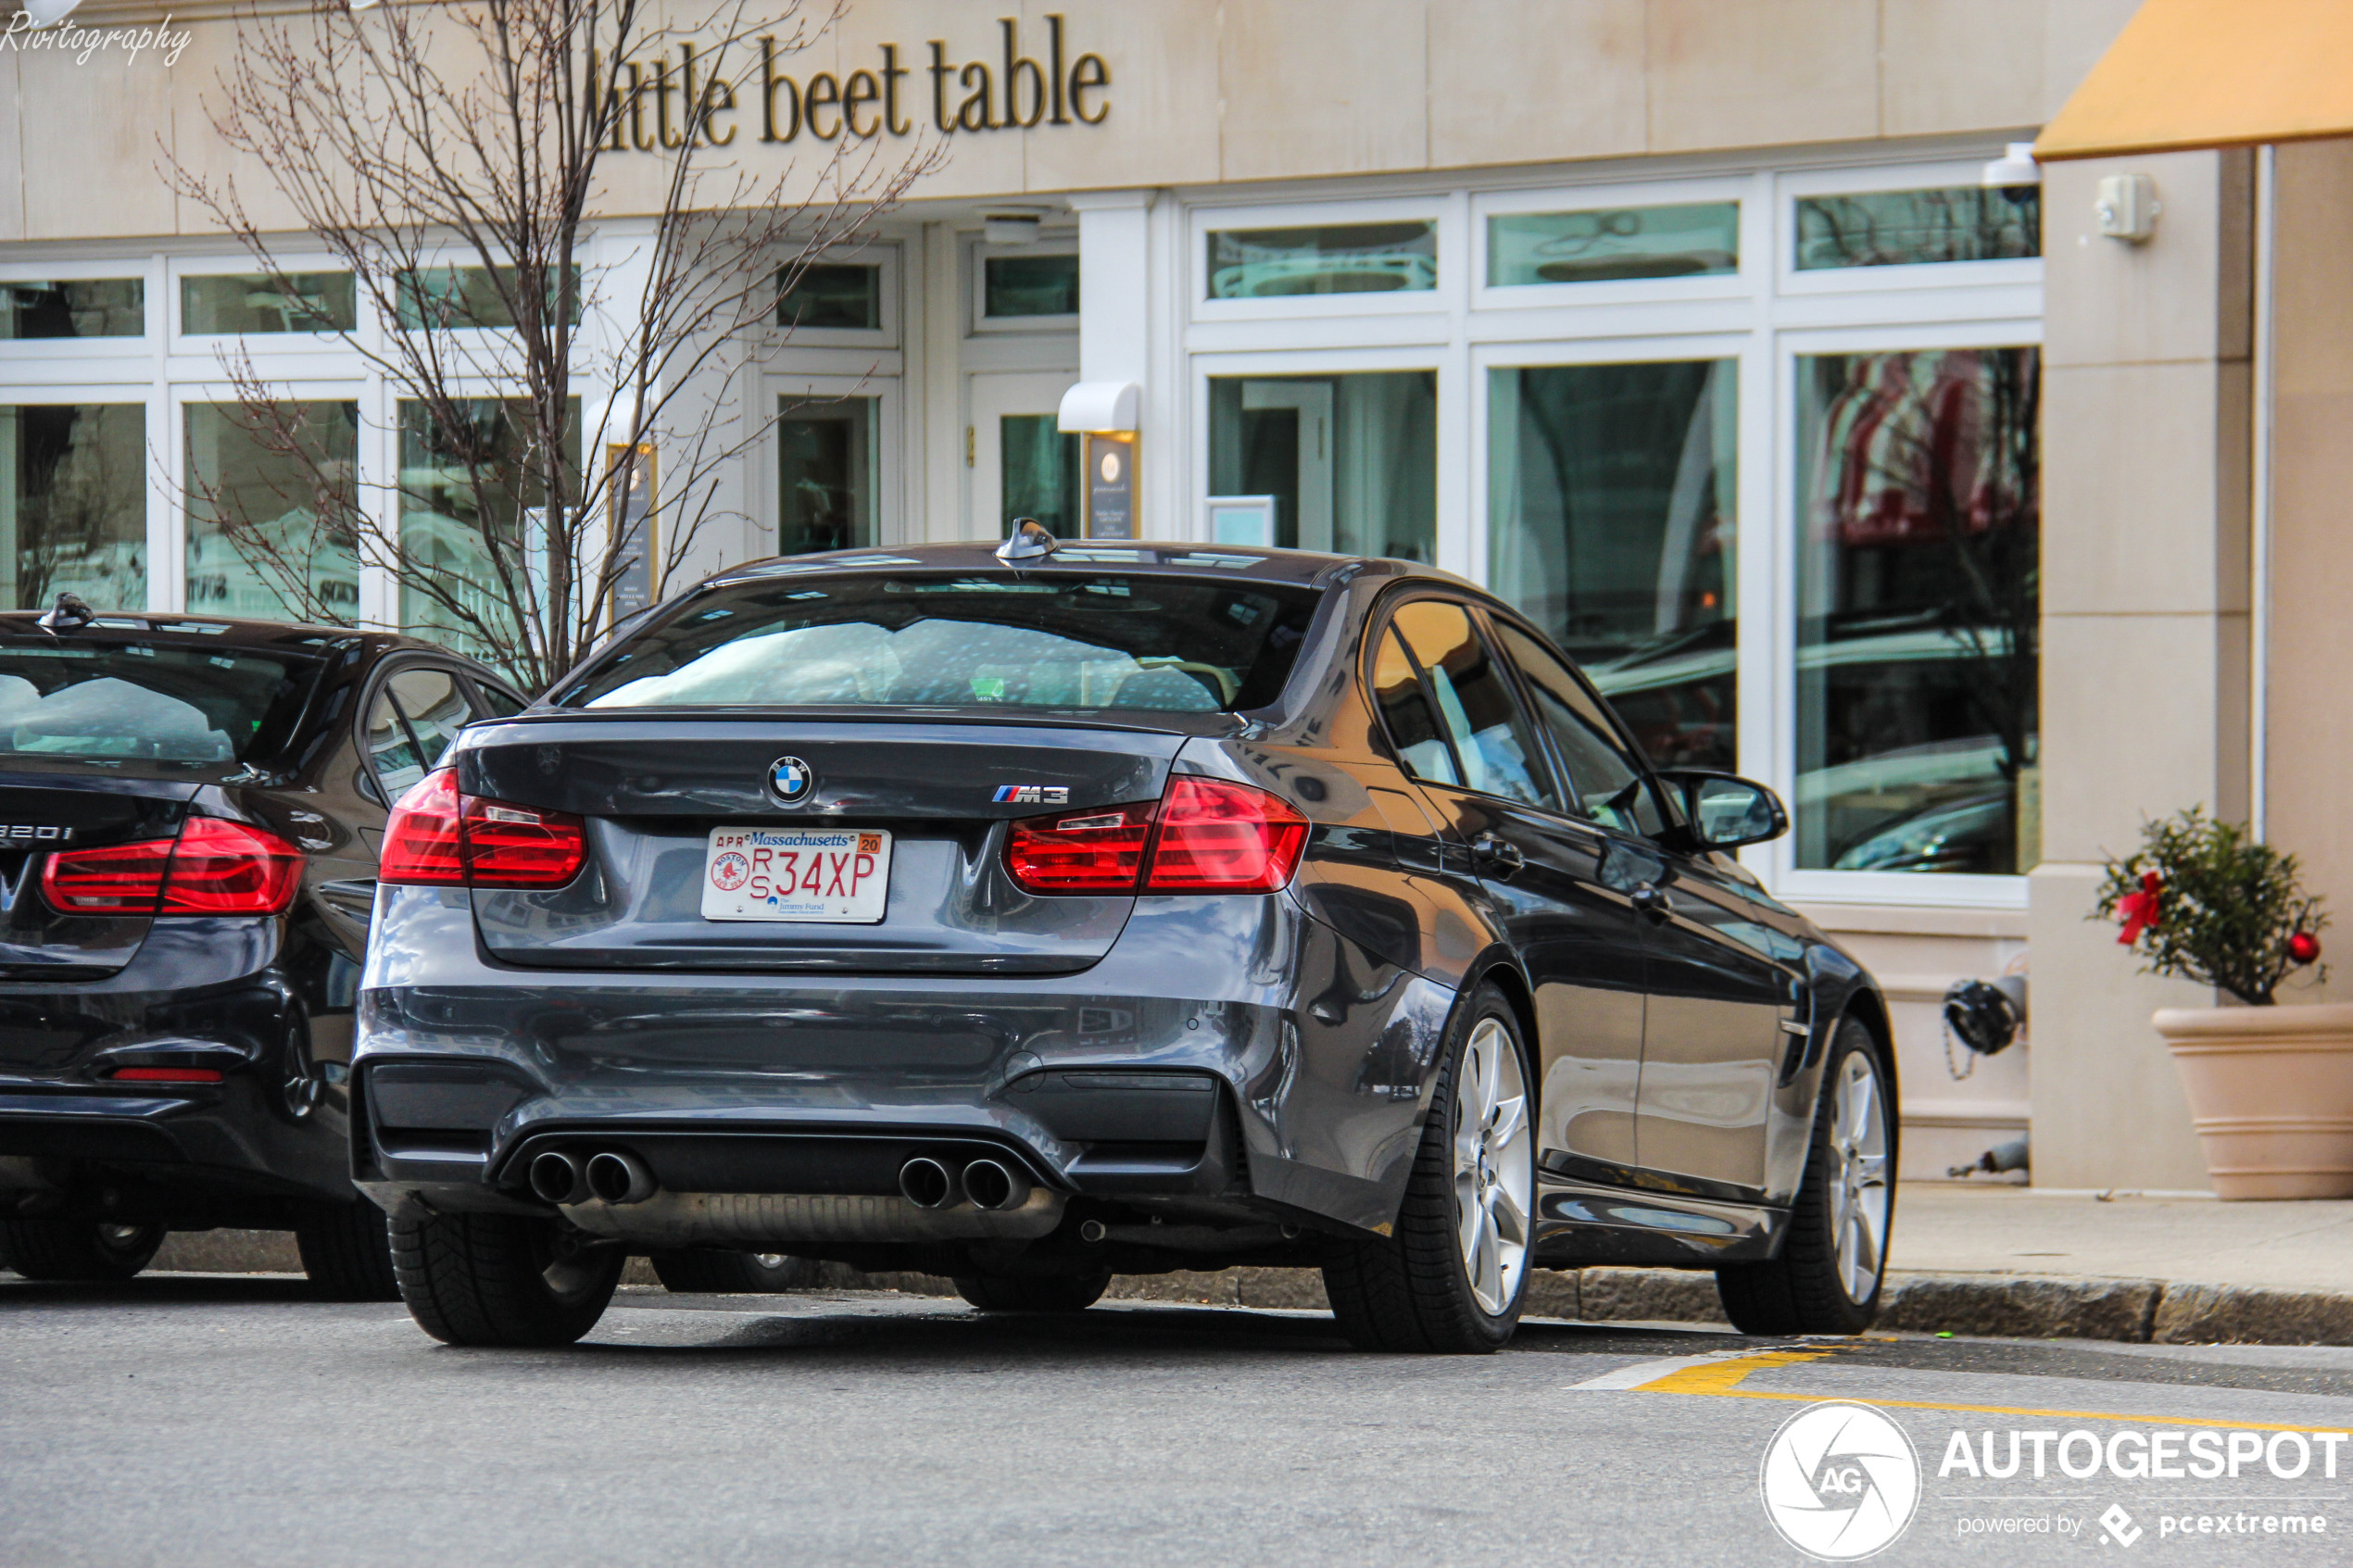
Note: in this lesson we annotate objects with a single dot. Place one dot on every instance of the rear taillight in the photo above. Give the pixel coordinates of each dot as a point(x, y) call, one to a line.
point(1220, 837)
point(1205, 835)
point(439, 836)
point(220, 867)
point(213, 868)
point(1097, 852)
point(119, 879)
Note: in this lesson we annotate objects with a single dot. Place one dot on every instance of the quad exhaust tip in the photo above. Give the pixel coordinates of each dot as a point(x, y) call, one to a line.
point(991, 1184)
point(558, 1178)
point(926, 1183)
point(617, 1177)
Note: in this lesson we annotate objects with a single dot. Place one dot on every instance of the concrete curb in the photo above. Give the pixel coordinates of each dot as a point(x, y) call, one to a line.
point(1995, 1306)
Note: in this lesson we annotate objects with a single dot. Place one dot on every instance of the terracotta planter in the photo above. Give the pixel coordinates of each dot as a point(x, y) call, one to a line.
point(2272, 1090)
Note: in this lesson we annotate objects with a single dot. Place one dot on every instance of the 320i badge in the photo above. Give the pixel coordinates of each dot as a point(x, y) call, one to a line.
point(1035, 914)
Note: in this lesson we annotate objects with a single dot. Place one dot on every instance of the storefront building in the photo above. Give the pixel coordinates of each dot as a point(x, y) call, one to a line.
point(1693, 327)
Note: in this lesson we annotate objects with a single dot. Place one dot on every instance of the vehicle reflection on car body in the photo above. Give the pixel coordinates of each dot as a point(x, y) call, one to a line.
point(1362, 938)
point(189, 809)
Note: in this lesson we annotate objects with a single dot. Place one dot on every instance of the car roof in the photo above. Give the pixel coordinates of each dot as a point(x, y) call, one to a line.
point(225, 630)
point(1185, 557)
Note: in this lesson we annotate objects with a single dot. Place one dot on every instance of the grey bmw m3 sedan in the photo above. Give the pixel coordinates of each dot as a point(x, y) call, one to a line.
point(1037, 913)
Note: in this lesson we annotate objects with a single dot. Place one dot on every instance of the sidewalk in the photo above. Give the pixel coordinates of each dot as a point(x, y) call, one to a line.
point(2001, 1260)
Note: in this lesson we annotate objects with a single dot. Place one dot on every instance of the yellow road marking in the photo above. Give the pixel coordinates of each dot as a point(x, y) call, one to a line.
point(1721, 1380)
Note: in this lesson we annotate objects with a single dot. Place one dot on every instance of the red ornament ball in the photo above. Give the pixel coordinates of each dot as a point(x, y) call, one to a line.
point(2303, 947)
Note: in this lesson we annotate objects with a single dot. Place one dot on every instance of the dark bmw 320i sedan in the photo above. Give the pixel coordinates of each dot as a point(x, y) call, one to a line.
point(1104, 910)
point(190, 810)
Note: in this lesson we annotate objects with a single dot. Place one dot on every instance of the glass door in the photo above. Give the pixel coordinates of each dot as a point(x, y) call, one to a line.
point(1022, 466)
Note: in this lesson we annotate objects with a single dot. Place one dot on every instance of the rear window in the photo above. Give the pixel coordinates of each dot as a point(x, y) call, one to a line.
point(72, 697)
point(1044, 640)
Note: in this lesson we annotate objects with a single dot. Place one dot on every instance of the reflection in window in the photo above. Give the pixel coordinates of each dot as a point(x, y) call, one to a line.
point(464, 494)
point(89, 308)
point(1475, 702)
point(74, 504)
point(443, 297)
point(1341, 258)
point(833, 294)
point(1351, 460)
point(272, 510)
point(252, 302)
point(1604, 780)
point(1040, 469)
point(1028, 285)
point(825, 471)
point(1903, 228)
point(1917, 612)
point(1689, 240)
point(1413, 723)
point(1610, 524)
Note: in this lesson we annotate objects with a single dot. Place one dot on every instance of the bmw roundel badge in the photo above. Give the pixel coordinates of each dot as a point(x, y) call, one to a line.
point(790, 780)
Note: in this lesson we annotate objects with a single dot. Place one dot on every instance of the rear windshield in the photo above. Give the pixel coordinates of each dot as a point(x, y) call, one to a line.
point(1085, 641)
point(74, 698)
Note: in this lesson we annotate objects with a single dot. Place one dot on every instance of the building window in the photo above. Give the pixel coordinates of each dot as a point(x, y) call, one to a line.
point(1028, 284)
point(1335, 258)
point(251, 302)
point(90, 307)
point(1907, 228)
point(453, 590)
point(1610, 524)
point(1351, 460)
point(1919, 528)
point(272, 510)
point(1613, 244)
point(1040, 469)
point(440, 298)
point(826, 456)
point(836, 296)
point(74, 504)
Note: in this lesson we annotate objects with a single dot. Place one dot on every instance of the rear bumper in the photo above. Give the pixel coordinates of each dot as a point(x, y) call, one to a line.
point(206, 994)
point(1226, 1049)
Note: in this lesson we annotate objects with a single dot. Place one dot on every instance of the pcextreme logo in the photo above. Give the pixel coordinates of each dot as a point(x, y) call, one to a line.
point(1840, 1481)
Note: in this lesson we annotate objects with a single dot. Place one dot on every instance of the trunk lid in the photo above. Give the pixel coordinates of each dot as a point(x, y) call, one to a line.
point(653, 789)
point(43, 814)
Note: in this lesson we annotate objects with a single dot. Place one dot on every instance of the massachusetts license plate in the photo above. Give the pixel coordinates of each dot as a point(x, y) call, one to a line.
point(837, 875)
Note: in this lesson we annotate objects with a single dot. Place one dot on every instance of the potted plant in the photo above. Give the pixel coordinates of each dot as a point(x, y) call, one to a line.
point(2270, 1087)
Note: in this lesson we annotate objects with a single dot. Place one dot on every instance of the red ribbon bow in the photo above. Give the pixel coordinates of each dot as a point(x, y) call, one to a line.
point(2139, 910)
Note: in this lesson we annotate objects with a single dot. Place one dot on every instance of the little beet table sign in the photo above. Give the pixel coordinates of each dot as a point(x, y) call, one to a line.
point(1009, 90)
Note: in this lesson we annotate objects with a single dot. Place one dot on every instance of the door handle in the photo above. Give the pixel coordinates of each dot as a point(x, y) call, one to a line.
point(1649, 900)
point(1495, 853)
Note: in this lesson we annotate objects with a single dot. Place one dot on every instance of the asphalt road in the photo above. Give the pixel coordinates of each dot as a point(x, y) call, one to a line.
point(200, 1420)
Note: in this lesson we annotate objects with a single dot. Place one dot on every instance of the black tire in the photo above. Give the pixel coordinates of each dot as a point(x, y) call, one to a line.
point(504, 1279)
point(1411, 1291)
point(1804, 1290)
point(733, 1273)
point(346, 1250)
point(78, 1250)
point(1022, 1293)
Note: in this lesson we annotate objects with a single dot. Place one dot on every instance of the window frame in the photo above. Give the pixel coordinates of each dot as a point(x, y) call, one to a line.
point(1900, 278)
point(891, 480)
point(260, 345)
point(1776, 862)
point(978, 254)
point(1741, 283)
point(94, 268)
point(882, 255)
point(1444, 214)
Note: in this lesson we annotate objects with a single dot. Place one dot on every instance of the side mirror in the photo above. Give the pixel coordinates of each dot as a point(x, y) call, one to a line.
point(1726, 811)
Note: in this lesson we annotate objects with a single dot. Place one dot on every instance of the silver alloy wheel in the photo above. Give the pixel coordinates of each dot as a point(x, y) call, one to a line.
point(770, 1260)
point(1494, 1167)
point(1859, 1190)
